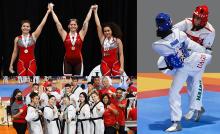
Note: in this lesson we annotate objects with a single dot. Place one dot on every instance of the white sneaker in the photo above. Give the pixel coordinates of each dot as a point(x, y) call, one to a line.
point(189, 115)
point(174, 127)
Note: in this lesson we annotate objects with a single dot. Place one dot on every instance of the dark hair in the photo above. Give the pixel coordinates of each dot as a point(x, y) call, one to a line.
point(116, 31)
point(122, 89)
point(90, 83)
point(33, 94)
point(50, 96)
point(15, 92)
point(131, 83)
point(85, 96)
point(164, 34)
point(35, 84)
point(109, 101)
point(93, 78)
point(74, 19)
point(67, 85)
point(74, 78)
point(25, 21)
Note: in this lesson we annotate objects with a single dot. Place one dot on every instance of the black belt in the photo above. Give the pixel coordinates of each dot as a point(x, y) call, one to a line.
point(57, 122)
point(93, 119)
point(36, 119)
point(164, 68)
point(81, 120)
point(63, 124)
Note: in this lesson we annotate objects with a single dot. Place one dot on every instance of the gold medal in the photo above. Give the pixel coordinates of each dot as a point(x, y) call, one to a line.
point(25, 51)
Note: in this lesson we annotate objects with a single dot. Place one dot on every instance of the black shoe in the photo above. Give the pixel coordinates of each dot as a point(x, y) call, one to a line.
point(198, 114)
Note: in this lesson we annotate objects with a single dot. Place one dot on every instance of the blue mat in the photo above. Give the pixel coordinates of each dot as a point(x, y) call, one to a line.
point(7, 90)
point(154, 115)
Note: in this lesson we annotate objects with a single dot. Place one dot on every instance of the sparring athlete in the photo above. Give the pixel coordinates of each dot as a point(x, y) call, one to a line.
point(25, 45)
point(201, 31)
point(112, 63)
point(184, 55)
point(73, 42)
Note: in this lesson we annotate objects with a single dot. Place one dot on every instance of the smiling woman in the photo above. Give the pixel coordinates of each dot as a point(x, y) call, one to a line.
point(24, 45)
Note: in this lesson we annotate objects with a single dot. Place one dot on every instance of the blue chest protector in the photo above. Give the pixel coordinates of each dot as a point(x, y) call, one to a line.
point(174, 60)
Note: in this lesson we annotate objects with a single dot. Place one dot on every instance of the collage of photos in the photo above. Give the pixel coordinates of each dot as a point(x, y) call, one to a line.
point(109, 67)
point(178, 67)
point(68, 67)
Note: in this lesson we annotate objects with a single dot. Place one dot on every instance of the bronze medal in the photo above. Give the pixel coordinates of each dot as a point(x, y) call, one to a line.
point(25, 51)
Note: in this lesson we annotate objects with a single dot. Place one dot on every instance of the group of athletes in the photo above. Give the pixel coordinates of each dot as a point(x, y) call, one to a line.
point(185, 49)
point(101, 108)
point(109, 34)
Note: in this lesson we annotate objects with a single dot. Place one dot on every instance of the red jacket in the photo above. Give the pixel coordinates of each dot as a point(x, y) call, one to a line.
point(109, 116)
point(121, 116)
point(21, 117)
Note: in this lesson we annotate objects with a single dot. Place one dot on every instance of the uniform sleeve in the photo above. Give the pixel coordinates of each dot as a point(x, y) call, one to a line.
point(28, 99)
point(73, 100)
point(182, 25)
point(209, 39)
point(192, 45)
point(48, 113)
point(57, 95)
point(31, 114)
point(162, 50)
point(100, 109)
point(86, 111)
point(71, 112)
point(44, 97)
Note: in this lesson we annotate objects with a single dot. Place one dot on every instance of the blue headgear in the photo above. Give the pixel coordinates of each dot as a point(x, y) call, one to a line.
point(163, 22)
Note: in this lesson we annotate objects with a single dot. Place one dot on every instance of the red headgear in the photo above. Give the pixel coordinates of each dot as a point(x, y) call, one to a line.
point(202, 13)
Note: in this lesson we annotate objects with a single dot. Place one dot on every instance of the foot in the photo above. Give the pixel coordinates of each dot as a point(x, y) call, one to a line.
point(198, 114)
point(189, 115)
point(174, 127)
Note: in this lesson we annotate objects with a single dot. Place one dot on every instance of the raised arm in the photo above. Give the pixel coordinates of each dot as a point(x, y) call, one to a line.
point(60, 29)
point(14, 55)
point(98, 24)
point(121, 55)
point(37, 32)
point(84, 29)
